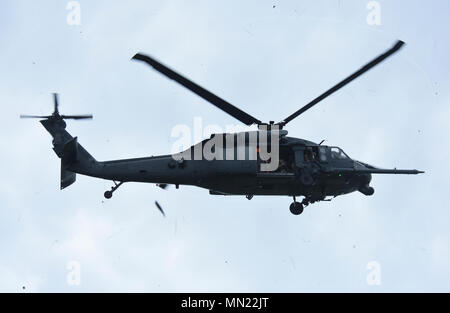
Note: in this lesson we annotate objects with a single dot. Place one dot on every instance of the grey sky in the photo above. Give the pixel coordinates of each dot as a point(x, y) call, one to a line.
point(269, 61)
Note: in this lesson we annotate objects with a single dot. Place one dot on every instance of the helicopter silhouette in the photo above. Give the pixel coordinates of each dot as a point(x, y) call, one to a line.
point(302, 168)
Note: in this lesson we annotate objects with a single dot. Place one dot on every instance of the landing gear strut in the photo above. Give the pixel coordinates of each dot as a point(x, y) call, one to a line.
point(296, 208)
point(109, 193)
point(306, 201)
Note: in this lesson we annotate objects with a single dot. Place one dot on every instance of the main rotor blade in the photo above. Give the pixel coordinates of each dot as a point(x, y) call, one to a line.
point(355, 75)
point(200, 91)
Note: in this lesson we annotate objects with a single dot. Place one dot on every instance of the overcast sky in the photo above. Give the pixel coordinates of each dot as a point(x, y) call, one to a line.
point(267, 57)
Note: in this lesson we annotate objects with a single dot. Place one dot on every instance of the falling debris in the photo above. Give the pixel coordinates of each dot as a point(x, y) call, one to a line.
point(160, 208)
point(292, 262)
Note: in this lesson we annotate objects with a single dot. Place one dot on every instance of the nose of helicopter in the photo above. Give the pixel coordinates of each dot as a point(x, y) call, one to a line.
point(364, 179)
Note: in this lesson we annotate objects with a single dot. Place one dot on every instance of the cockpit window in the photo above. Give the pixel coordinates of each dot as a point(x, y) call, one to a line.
point(323, 154)
point(337, 153)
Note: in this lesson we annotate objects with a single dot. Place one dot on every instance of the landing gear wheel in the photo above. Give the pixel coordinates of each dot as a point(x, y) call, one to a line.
point(249, 197)
point(108, 194)
point(296, 208)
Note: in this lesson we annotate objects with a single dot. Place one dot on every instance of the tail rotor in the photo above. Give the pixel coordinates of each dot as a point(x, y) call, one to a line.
point(56, 116)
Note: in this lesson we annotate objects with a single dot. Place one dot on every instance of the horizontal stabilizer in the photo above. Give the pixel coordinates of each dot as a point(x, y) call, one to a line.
point(67, 178)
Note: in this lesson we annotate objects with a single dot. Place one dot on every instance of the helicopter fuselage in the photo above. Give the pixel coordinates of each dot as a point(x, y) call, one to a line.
point(305, 169)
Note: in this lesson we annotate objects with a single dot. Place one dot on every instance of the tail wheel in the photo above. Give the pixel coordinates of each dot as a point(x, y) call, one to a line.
point(108, 194)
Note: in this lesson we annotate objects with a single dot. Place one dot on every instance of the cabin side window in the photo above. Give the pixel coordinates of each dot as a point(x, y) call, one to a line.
point(323, 154)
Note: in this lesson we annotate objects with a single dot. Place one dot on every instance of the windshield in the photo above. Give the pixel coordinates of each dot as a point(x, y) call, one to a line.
point(337, 153)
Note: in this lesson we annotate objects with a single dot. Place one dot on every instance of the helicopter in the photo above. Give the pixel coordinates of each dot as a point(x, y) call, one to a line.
point(299, 168)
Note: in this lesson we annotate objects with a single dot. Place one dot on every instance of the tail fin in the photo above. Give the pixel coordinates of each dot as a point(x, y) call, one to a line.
point(69, 155)
point(74, 158)
point(67, 178)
